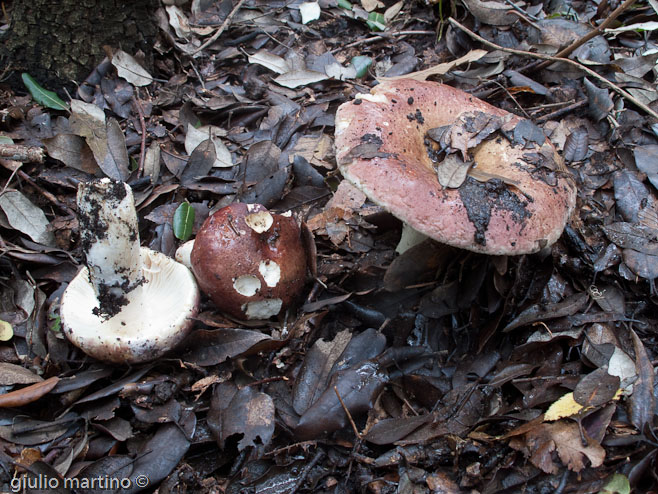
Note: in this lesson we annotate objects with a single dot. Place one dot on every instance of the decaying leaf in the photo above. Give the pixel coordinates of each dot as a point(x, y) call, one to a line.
point(128, 68)
point(561, 437)
point(492, 13)
point(250, 414)
point(25, 217)
point(194, 137)
point(452, 171)
point(300, 77)
point(600, 102)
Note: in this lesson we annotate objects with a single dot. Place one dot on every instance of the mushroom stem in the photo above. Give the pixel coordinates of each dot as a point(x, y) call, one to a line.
point(110, 241)
point(410, 237)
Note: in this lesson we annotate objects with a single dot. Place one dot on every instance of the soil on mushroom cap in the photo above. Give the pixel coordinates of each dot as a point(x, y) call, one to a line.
point(481, 198)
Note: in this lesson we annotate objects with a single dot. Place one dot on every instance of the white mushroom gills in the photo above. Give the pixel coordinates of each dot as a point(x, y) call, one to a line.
point(110, 240)
point(183, 253)
point(147, 300)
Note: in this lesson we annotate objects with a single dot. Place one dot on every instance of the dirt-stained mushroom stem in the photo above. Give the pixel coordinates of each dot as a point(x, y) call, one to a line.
point(129, 304)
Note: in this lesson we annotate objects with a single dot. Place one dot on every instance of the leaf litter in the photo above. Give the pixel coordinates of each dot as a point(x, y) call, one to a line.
point(434, 370)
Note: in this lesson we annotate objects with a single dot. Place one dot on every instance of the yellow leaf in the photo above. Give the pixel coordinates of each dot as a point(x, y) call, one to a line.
point(6, 331)
point(564, 407)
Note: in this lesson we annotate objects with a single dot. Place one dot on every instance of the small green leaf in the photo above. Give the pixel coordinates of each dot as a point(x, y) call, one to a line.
point(361, 63)
point(345, 4)
point(42, 96)
point(55, 324)
point(618, 484)
point(376, 21)
point(183, 221)
point(6, 140)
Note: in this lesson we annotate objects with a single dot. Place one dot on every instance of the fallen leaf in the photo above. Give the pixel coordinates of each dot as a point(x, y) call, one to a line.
point(273, 62)
point(129, 69)
point(25, 217)
point(298, 78)
point(452, 171)
point(310, 11)
point(540, 442)
point(28, 394)
point(564, 407)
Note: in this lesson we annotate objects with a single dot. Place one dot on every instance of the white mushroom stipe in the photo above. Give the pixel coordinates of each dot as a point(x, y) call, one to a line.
point(110, 239)
point(409, 238)
point(260, 221)
point(271, 272)
point(247, 285)
point(183, 254)
point(124, 326)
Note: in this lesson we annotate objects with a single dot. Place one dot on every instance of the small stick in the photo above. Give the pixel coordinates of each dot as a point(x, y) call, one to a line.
point(551, 59)
point(24, 154)
point(142, 123)
point(561, 111)
point(46, 194)
point(221, 29)
point(376, 37)
point(598, 30)
point(349, 415)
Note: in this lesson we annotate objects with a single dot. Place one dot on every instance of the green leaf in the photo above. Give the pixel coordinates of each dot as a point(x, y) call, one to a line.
point(6, 140)
point(183, 221)
point(345, 4)
point(618, 484)
point(42, 96)
point(376, 21)
point(361, 63)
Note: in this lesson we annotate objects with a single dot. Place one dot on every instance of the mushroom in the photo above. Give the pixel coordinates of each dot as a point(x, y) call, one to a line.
point(250, 262)
point(455, 168)
point(129, 304)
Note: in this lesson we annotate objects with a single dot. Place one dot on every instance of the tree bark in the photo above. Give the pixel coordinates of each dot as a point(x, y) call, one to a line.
point(59, 42)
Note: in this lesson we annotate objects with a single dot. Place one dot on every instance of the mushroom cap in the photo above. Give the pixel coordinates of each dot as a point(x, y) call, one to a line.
point(159, 313)
point(250, 262)
point(516, 199)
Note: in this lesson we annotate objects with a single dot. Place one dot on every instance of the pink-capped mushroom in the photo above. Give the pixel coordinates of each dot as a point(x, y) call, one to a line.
point(454, 167)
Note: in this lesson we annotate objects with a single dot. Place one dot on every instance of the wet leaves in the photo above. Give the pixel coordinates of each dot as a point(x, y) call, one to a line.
point(441, 357)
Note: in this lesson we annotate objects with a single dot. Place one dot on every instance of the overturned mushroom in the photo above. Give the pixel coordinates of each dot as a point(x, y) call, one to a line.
point(250, 262)
point(454, 167)
point(130, 303)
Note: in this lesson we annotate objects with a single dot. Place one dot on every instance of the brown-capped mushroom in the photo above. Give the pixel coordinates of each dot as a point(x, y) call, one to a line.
point(129, 304)
point(250, 262)
point(505, 189)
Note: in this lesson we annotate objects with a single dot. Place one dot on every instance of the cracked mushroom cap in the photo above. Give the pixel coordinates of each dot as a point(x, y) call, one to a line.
point(157, 316)
point(250, 262)
point(515, 198)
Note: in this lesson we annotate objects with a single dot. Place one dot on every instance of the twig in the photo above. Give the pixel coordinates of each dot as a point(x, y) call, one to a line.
point(221, 29)
point(307, 469)
point(24, 154)
point(349, 415)
point(561, 111)
point(142, 124)
point(376, 37)
point(46, 194)
point(598, 30)
point(552, 59)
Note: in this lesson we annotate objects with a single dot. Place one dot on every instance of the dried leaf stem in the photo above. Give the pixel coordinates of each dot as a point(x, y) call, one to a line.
point(221, 29)
point(598, 30)
point(551, 59)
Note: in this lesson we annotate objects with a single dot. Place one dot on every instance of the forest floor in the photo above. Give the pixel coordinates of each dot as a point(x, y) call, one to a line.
point(437, 370)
